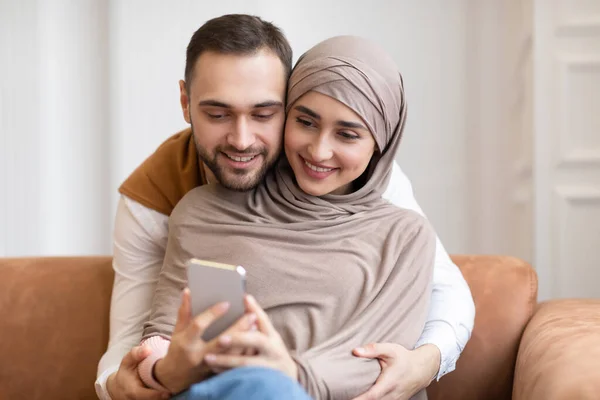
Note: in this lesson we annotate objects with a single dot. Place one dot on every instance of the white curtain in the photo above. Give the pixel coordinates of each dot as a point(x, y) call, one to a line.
point(55, 128)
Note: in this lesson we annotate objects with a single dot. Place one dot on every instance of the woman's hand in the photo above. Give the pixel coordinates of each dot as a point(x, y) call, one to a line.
point(265, 341)
point(183, 365)
point(403, 372)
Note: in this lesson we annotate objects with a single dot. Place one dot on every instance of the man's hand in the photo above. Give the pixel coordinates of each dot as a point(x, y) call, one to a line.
point(266, 341)
point(126, 384)
point(184, 363)
point(403, 372)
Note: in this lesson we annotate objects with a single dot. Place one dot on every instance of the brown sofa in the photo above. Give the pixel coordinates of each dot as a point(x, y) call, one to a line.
point(54, 328)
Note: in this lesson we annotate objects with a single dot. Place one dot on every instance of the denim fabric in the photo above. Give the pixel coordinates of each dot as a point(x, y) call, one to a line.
point(247, 383)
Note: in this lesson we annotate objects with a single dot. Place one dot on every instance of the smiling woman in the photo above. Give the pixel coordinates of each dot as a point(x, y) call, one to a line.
point(327, 145)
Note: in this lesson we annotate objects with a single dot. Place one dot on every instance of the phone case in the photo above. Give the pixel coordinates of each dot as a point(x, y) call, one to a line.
point(211, 283)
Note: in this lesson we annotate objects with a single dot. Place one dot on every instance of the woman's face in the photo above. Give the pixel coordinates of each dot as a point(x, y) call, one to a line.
point(327, 144)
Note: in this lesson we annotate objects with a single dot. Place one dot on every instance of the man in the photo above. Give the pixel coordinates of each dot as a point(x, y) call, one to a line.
point(233, 97)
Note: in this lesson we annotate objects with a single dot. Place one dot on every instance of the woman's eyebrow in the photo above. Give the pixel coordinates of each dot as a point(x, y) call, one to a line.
point(345, 124)
point(350, 124)
point(308, 111)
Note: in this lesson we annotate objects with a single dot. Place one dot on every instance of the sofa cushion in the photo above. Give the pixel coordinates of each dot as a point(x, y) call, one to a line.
point(54, 314)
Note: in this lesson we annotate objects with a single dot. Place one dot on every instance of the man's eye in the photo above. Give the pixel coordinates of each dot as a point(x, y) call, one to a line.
point(263, 117)
point(216, 116)
point(304, 122)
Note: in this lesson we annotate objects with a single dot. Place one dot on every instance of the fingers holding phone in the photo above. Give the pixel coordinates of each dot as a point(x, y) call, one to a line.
point(183, 364)
point(245, 324)
point(269, 350)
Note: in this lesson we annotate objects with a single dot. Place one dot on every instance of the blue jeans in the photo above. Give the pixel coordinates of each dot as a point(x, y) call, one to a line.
point(248, 383)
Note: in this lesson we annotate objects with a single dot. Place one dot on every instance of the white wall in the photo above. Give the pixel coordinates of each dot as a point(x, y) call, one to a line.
point(500, 42)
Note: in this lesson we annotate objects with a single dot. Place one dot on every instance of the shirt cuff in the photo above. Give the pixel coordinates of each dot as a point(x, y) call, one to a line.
point(441, 335)
point(159, 347)
point(100, 384)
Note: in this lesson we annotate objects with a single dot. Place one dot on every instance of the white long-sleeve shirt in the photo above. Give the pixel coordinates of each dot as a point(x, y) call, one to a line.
point(140, 240)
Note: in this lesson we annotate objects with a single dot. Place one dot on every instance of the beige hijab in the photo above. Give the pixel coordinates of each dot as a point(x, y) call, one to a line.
point(332, 272)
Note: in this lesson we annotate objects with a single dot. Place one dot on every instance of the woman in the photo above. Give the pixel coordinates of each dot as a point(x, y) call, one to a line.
point(332, 264)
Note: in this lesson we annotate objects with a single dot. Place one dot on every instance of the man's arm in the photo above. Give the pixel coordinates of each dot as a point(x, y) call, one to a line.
point(452, 310)
point(140, 238)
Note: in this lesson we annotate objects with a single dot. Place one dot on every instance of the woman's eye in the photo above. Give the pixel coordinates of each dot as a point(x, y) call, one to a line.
point(348, 136)
point(304, 122)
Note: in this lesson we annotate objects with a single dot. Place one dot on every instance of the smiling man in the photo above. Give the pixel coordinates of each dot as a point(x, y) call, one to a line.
point(235, 108)
point(233, 97)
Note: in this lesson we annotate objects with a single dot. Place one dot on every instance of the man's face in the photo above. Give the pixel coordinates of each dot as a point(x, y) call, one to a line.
point(236, 108)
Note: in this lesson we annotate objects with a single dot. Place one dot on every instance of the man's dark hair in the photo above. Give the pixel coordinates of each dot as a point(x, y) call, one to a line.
point(238, 34)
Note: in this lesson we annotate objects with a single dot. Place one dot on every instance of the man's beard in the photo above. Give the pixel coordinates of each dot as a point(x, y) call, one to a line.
point(239, 180)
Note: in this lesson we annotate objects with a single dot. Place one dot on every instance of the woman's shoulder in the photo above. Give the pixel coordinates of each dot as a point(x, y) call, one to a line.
point(412, 221)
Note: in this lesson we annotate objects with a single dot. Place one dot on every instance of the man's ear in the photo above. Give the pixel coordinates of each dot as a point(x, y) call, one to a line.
point(184, 99)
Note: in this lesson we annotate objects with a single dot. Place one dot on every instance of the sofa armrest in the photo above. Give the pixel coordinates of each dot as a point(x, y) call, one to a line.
point(559, 354)
point(505, 293)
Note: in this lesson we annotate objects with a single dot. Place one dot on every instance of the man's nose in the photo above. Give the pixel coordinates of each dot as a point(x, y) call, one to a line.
point(241, 136)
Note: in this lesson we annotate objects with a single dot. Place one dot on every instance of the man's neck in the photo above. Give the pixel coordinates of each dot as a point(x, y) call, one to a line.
point(210, 177)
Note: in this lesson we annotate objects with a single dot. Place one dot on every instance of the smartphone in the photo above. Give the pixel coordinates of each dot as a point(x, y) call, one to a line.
point(211, 283)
